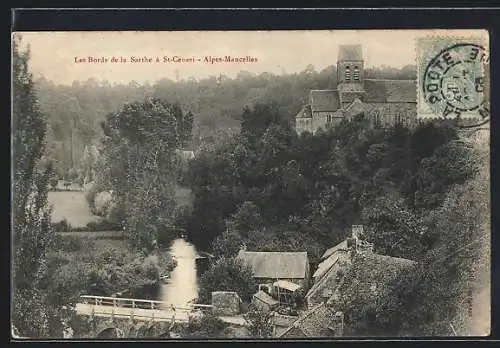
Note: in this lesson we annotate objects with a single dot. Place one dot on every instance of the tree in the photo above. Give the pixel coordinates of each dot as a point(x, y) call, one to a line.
point(227, 244)
point(140, 165)
point(261, 325)
point(227, 274)
point(247, 219)
point(89, 161)
point(32, 232)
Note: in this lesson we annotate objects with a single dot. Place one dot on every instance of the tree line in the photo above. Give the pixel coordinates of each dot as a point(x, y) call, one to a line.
point(75, 111)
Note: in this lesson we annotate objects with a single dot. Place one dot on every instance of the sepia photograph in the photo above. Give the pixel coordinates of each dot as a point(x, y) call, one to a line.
point(225, 185)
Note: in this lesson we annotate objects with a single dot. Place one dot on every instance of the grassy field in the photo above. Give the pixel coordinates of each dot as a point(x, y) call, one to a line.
point(72, 206)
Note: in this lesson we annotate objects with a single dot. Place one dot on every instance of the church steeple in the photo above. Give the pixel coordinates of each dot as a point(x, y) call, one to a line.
point(350, 68)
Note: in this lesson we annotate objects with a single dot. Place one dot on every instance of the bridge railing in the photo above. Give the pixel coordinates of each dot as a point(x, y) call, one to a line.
point(138, 303)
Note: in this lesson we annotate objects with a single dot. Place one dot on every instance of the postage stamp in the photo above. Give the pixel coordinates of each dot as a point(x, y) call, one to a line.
point(250, 184)
point(453, 78)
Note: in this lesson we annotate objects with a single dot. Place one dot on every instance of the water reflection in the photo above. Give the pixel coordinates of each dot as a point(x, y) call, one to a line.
point(182, 286)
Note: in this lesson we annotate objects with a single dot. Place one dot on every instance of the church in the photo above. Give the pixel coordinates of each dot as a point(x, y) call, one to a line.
point(382, 103)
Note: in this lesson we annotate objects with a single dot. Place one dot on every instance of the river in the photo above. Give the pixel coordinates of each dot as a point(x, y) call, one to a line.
point(182, 286)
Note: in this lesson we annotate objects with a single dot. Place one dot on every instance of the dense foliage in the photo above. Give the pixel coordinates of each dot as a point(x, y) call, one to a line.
point(261, 325)
point(205, 326)
point(443, 293)
point(272, 189)
point(139, 165)
point(227, 274)
point(32, 232)
point(75, 111)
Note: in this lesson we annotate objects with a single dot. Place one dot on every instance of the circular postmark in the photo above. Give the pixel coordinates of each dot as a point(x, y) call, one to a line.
point(456, 84)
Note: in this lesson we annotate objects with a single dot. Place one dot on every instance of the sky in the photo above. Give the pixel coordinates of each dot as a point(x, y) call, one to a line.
point(54, 54)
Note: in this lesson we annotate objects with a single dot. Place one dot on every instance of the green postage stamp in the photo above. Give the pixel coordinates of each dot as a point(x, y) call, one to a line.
point(454, 77)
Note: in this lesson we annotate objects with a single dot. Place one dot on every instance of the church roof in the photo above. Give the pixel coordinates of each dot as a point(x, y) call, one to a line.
point(349, 96)
point(390, 91)
point(324, 100)
point(350, 52)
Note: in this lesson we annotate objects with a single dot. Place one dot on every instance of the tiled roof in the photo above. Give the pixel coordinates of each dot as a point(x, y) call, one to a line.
point(350, 52)
point(326, 265)
point(342, 245)
point(324, 100)
point(262, 296)
point(371, 274)
point(283, 284)
point(314, 323)
point(280, 265)
point(390, 91)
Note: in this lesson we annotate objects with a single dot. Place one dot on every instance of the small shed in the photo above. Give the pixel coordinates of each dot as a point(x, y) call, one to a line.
point(226, 303)
point(285, 291)
point(264, 302)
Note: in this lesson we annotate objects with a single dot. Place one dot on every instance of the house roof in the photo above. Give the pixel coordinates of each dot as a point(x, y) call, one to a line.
point(390, 91)
point(305, 112)
point(324, 100)
point(326, 265)
point(314, 323)
point(262, 296)
point(320, 281)
point(283, 284)
point(350, 52)
point(341, 246)
point(371, 274)
point(281, 265)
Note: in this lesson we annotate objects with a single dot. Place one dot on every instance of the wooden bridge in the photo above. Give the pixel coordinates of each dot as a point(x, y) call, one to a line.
point(145, 310)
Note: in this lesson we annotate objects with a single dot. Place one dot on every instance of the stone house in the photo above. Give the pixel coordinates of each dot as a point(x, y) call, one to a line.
point(351, 274)
point(382, 103)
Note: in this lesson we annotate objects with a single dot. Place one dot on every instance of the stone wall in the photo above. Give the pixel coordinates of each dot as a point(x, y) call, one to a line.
point(387, 114)
point(226, 303)
point(99, 327)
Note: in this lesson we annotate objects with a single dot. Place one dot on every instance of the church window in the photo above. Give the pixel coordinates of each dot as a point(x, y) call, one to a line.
point(347, 73)
point(329, 118)
point(398, 118)
point(356, 73)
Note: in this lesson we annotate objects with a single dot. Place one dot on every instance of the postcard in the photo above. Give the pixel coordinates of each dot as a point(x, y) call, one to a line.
point(214, 185)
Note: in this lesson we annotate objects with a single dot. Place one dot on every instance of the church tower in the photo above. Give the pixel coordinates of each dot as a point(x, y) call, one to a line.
point(350, 68)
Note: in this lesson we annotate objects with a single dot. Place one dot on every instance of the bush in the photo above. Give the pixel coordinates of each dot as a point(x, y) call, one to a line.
point(116, 214)
point(62, 226)
point(53, 183)
point(206, 326)
point(102, 203)
point(102, 225)
point(260, 322)
point(69, 243)
point(96, 226)
point(227, 274)
point(90, 194)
